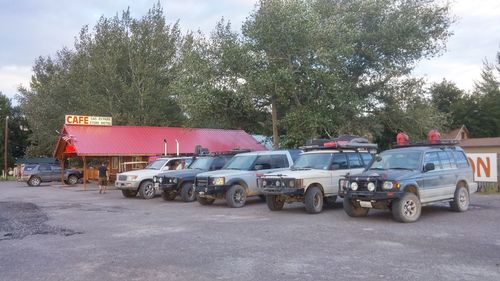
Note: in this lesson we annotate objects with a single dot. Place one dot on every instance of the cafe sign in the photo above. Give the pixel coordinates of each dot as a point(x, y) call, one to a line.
point(88, 120)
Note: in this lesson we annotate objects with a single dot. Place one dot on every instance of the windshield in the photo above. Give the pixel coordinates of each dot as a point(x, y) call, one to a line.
point(319, 161)
point(404, 160)
point(243, 162)
point(202, 163)
point(156, 165)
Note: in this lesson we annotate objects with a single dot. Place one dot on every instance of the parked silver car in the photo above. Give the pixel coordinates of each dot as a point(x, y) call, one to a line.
point(35, 174)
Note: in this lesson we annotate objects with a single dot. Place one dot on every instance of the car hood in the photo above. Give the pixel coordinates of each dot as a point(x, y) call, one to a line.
point(145, 172)
point(226, 173)
point(388, 174)
point(181, 173)
point(301, 174)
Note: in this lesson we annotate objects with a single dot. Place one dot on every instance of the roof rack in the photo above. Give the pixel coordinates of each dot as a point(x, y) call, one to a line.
point(230, 152)
point(356, 143)
point(427, 143)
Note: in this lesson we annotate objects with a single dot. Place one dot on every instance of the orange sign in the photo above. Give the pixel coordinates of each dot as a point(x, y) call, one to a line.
point(484, 166)
point(88, 120)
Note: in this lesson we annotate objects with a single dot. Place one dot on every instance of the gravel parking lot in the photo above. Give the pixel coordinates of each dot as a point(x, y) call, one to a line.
point(64, 233)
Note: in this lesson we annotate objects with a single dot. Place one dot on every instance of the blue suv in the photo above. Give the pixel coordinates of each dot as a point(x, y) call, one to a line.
point(406, 178)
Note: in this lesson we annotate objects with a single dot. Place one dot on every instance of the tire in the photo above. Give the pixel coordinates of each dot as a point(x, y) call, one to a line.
point(147, 190)
point(314, 200)
point(72, 180)
point(205, 201)
point(129, 193)
point(461, 200)
point(354, 211)
point(273, 203)
point(188, 192)
point(168, 196)
point(236, 196)
point(34, 181)
point(407, 208)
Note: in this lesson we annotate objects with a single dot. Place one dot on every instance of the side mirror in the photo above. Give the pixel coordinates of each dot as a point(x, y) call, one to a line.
point(258, 167)
point(429, 167)
point(378, 158)
point(335, 167)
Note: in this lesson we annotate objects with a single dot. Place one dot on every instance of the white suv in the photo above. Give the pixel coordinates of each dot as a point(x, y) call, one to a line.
point(141, 181)
point(238, 178)
point(314, 177)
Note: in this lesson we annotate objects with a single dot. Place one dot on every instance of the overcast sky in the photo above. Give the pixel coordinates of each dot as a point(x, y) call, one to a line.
point(29, 29)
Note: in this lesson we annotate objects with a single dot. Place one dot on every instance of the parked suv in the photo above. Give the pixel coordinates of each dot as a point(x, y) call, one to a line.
point(238, 179)
point(35, 174)
point(405, 178)
point(314, 177)
point(173, 183)
point(141, 181)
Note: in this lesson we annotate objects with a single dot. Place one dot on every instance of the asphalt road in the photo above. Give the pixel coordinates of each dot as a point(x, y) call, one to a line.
point(54, 233)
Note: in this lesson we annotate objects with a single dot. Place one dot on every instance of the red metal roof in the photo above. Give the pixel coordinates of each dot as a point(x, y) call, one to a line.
point(135, 140)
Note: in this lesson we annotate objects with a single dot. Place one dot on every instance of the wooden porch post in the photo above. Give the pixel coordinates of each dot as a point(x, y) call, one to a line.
point(62, 169)
point(85, 176)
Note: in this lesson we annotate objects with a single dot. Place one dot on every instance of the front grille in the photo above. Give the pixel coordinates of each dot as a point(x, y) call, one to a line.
point(122, 178)
point(202, 181)
point(275, 183)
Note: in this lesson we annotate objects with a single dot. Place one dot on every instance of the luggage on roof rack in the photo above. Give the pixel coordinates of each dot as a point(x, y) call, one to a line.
point(342, 142)
point(429, 143)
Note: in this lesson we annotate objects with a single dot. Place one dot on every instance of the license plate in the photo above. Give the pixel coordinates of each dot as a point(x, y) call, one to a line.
point(157, 184)
point(201, 193)
point(365, 204)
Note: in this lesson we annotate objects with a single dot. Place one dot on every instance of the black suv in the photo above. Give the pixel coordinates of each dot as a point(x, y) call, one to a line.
point(405, 178)
point(173, 183)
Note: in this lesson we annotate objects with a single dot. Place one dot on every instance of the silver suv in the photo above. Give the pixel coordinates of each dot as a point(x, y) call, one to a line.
point(238, 179)
point(35, 174)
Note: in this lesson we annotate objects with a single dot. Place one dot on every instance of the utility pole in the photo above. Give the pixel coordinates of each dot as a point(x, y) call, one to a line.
point(6, 144)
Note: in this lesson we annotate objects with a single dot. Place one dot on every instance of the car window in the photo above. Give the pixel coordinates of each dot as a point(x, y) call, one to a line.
point(44, 168)
point(340, 160)
point(29, 167)
point(218, 163)
point(56, 168)
point(263, 160)
point(461, 159)
point(294, 153)
point(367, 157)
point(432, 157)
point(279, 161)
point(452, 159)
point(319, 161)
point(445, 160)
point(354, 160)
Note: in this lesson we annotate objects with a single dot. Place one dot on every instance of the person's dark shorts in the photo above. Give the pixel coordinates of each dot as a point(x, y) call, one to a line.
point(103, 181)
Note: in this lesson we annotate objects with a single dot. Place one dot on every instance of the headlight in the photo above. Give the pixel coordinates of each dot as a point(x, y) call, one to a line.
point(371, 186)
point(344, 184)
point(390, 185)
point(291, 183)
point(131, 178)
point(354, 186)
point(278, 183)
point(218, 181)
point(160, 179)
point(174, 180)
point(264, 183)
point(155, 179)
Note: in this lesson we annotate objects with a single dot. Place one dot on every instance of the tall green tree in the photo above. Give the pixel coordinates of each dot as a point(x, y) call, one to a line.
point(17, 131)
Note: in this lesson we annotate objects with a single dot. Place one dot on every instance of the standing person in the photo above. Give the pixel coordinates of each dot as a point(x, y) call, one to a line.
point(402, 138)
point(103, 178)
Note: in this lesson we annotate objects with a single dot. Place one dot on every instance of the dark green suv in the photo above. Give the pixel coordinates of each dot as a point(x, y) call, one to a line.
point(406, 178)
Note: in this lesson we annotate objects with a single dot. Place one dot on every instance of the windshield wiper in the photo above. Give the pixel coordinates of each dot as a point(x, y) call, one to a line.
point(302, 168)
point(377, 169)
point(232, 169)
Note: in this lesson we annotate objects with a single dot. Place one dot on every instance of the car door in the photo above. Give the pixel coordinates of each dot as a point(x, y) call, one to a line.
point(56, 173)
point(44, 172)
point(431, 181)
point(339, 167)
point(448, 174)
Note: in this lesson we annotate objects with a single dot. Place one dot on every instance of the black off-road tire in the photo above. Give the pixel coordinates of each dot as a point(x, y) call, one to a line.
point(129, 193)
point(168, 196)
point(34, 181)
point(461, 199)
point(313, 200)
point(407, 208)
point(274, 203)
point(72, 179)
point(147, 190)
point(352, 210)
point(205, 200)
point(188, 192)
point(236, 196)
